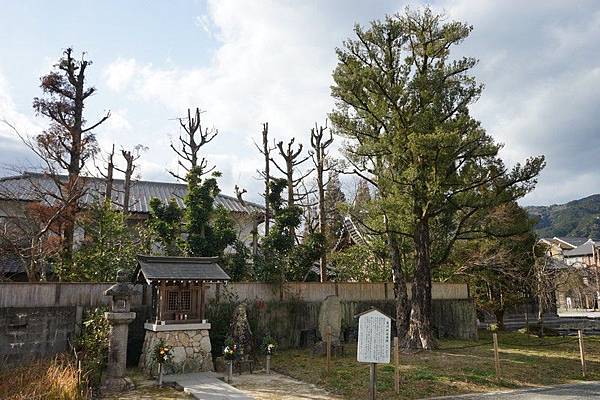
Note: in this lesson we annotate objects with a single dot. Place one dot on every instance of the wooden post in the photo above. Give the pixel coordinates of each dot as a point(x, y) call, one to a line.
point(268, 364)
point(160, 374)
point(328, 345)
point(202, 301)
point(582, 352)
point(161, 301)
point(372, 381)
point(496, 356)
point(229, 371)
point(396, 365)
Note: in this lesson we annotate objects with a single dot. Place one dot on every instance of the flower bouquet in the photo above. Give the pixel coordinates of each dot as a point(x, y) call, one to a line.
point(161, 355)
point(269, 345)
point(230, 353)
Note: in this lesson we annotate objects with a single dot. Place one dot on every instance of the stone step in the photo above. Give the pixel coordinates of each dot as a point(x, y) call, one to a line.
point(206, 386)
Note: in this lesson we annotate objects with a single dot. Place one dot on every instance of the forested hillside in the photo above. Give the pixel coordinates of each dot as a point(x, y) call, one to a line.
point(575, 218)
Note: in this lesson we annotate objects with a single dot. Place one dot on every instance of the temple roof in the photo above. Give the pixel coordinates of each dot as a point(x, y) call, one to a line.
point(153, 268)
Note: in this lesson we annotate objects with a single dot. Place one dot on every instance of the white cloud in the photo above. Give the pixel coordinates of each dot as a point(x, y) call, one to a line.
point(14, 155)
point(204, 23)
point(269, 67)
point(119, 73)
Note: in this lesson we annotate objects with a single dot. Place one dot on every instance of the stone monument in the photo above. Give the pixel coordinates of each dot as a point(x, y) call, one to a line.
point(119, 318)
point(240, 332)
point(330, 315)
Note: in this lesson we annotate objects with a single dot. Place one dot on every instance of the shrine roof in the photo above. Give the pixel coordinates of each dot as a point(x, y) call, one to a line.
point(155, 268)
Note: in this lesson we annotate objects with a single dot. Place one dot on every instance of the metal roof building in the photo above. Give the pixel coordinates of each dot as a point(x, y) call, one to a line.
point(29, 186)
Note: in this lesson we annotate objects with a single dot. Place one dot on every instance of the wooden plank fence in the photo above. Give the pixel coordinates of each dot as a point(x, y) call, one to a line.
point(49, 294)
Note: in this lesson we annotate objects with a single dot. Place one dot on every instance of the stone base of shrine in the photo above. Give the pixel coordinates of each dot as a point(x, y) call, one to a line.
point(189, 343)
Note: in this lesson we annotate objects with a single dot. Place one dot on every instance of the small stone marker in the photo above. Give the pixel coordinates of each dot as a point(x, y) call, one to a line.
point(374, 343)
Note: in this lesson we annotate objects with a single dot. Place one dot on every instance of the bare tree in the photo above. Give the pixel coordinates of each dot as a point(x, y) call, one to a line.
point(69, 141)
point(30, 233)
point(546, 279)
point(108, 175)
point(239, 193)
point(265, 150)
point(130, 156)
point(293, 159)
point(319, 153)
point(195, 137)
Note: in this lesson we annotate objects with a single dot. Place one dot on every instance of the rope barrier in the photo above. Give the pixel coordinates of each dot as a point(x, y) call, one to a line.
point(467, 346)
point(507, 345)
point(543, 344)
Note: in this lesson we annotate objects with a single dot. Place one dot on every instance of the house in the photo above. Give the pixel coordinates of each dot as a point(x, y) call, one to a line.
point(579, 261)
point(18, 191)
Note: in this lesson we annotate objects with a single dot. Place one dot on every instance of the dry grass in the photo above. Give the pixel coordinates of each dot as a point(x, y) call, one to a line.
point(55, 379)
point(525, 361)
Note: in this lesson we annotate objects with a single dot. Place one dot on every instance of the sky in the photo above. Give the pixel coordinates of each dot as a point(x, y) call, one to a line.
point(247, 62)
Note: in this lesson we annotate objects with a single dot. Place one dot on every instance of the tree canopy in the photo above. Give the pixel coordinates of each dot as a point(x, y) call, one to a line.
point(403, 103)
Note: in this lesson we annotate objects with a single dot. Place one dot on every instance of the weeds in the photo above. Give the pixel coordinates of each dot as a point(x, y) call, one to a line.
point(56, 379)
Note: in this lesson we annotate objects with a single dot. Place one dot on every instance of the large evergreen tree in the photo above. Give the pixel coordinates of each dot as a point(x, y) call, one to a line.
point(403, 103)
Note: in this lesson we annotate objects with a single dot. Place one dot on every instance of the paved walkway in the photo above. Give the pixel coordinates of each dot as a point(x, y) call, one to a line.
point(577, 391)
point(206, 386)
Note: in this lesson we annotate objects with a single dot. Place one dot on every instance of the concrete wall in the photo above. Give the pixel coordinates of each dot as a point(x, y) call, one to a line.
point(287, 321)
point(33, 332)
point(51, 294)
point(315, 291)
point(39, 319)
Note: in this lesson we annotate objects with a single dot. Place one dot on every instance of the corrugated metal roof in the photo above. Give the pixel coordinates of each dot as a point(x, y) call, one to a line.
point(27, 187)
point(181, 268)
point(573, 241)
point(583, 250)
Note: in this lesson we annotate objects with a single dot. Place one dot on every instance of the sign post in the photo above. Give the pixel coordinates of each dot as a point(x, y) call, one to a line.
point(374, 343)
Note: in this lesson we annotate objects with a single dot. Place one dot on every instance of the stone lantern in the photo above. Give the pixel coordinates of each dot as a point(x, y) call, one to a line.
point(119, 318)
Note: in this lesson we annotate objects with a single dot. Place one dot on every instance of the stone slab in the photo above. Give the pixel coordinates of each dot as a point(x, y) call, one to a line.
point(175, 327)
point(206, 386)
point(330, 314)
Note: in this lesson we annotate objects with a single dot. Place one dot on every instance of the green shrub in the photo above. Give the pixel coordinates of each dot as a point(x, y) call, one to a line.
point(91, 345)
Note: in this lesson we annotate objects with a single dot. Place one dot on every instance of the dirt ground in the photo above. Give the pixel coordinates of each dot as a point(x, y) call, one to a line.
point(279, 387)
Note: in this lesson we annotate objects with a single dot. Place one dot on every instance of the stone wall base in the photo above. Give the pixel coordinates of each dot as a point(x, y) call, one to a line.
point(191, 351)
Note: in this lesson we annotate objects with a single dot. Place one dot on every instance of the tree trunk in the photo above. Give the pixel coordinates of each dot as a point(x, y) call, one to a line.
point(322, 219)
point(499, 314)
point(266, 152)
point(72, 196)
point(400, 292)
point(419, 334)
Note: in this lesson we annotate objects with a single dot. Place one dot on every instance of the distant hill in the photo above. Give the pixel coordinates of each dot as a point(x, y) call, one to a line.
point(575, 218)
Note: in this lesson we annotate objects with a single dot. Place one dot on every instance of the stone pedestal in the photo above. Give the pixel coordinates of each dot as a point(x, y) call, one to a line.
point(117, 343)
point(190, 344)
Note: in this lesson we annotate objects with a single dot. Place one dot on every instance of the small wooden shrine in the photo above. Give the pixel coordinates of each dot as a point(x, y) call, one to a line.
point(178, 287)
